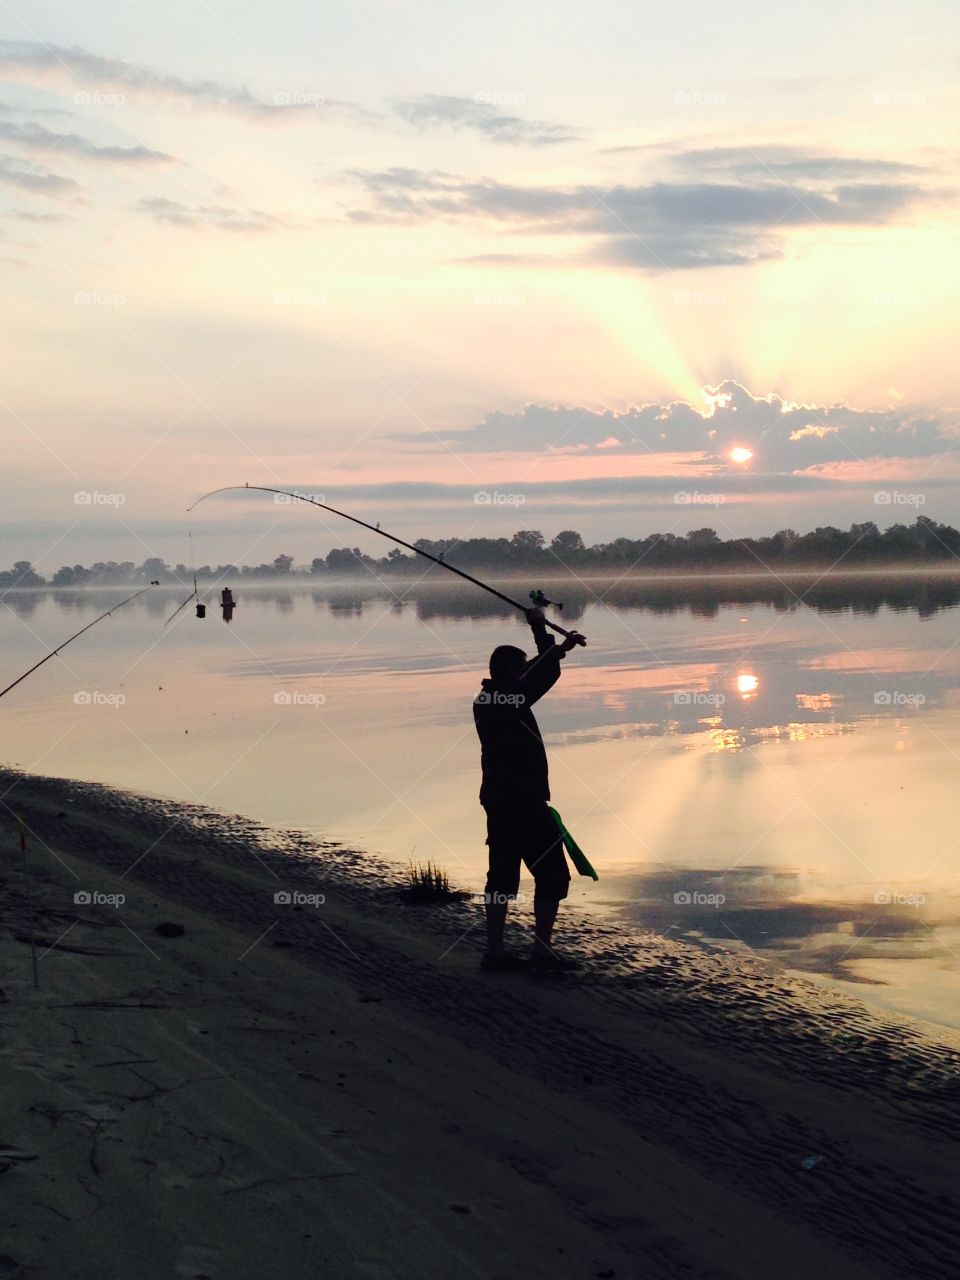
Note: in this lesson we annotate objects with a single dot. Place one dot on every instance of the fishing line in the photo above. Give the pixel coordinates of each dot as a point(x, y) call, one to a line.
point(53, 653)
point(194, 594)
point(375, 528)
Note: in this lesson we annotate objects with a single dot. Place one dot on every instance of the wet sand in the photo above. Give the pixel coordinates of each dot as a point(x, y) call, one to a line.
point(337, 1088)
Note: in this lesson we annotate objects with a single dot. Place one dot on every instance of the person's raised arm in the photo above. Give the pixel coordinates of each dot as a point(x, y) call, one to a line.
point(543, 671)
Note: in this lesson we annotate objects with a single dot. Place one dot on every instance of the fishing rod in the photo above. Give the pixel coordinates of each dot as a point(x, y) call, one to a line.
point(536, 596)
point(53, 653)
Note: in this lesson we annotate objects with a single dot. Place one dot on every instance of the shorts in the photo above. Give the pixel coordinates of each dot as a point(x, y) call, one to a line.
point(531, 836)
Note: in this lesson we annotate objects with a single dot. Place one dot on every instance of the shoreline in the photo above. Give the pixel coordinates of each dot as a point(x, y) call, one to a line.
point(699, 1082)
point(826, 572)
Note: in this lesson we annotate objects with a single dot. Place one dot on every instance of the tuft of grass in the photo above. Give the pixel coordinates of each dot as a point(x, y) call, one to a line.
point(428, 883)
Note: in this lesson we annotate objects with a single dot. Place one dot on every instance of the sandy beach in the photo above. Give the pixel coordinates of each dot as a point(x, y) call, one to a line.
point(331, 1086)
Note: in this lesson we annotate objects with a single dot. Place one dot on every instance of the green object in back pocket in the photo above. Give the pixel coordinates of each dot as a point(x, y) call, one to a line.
point(577, 856)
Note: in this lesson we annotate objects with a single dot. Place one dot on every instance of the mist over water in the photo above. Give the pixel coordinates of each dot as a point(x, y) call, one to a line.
point(750, 763)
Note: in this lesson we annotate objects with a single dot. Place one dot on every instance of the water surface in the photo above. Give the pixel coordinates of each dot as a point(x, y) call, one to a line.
point(749, 764)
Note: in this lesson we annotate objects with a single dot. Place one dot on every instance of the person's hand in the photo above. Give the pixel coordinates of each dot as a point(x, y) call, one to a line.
point(535, 617)
point(572, 640)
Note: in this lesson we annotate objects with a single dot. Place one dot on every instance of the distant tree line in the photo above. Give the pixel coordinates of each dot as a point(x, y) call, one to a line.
point(862, 545)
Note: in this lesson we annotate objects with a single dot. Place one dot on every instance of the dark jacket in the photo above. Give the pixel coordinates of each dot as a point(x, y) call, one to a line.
point(512, 754)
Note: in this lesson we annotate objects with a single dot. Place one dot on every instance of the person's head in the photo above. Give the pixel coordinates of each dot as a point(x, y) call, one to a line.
point(507, 663)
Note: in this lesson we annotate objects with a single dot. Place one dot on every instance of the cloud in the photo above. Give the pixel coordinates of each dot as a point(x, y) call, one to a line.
point(587, 491)
point(30, 215)
point(225, 218)
point(43, 61)
point(655, 226)
point(36, 137)
point(30, 178)
point(789, 164)
point(482, 116)
point(785, 437)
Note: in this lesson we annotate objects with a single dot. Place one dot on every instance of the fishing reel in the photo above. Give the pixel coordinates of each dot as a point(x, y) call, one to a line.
point(540, 601)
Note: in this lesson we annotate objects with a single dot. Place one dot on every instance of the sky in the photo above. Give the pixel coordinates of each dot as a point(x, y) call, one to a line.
point(470, 269)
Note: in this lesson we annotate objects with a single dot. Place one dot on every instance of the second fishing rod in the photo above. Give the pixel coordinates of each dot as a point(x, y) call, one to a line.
point(538, 599)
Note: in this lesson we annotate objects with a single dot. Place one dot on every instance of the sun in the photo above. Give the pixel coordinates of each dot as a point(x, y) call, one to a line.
point(740, 454)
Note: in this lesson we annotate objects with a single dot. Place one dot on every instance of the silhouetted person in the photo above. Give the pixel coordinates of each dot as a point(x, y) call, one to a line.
point(515, 792)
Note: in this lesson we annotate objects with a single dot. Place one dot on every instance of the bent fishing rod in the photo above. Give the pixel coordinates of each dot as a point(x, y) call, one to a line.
point(536, 596)
point(53, 652)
